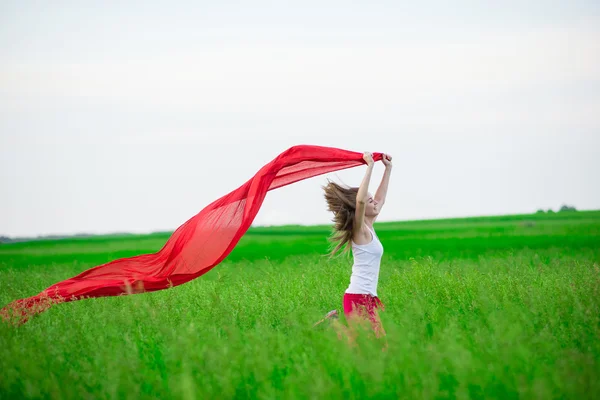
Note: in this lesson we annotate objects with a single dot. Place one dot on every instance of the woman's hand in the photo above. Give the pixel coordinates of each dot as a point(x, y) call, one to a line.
point(387, 160)
point(368, 157)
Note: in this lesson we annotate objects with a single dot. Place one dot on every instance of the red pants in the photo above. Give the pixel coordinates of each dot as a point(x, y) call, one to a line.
point(363, 305)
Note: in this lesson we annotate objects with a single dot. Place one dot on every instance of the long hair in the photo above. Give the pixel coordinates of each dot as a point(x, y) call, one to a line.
point(342, 202)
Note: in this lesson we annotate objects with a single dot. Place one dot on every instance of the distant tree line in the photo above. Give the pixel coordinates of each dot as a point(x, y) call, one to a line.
point(563, 208)
point(6, 239)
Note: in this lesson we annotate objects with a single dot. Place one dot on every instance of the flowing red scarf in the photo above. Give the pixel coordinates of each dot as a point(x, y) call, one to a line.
point(196, 246)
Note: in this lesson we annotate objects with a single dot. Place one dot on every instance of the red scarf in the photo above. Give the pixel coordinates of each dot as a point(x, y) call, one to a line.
point(196, 246)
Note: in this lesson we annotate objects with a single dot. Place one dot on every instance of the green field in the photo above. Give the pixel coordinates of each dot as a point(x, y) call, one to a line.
point(479, 308)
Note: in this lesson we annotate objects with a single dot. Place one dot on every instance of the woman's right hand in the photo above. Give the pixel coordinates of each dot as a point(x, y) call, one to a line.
point(368, 157)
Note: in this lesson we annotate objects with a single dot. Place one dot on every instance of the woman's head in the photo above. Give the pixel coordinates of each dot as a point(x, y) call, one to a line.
point(342, 202)
point(372, 206)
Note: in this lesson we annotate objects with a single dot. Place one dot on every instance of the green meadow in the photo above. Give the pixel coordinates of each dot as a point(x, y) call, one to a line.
point(479, 308)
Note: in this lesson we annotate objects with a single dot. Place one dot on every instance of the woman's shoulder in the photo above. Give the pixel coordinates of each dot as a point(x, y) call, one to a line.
point(363, 236)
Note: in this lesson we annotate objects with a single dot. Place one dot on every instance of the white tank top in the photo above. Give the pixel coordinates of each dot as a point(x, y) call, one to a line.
point(365, 271)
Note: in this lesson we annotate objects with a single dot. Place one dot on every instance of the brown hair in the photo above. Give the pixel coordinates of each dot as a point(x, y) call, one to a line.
point(342, 202)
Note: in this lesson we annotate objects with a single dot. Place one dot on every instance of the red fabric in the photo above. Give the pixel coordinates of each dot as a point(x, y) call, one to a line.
point(200, 243)
point(362, 305)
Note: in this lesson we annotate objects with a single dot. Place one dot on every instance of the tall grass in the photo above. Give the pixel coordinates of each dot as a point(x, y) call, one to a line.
point(482, 308)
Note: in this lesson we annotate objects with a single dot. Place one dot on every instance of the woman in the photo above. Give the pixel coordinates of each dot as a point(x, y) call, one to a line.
point(355, 210)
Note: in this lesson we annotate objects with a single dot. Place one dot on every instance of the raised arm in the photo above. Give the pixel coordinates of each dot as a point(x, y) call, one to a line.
point(383, 186)
point(363, 193)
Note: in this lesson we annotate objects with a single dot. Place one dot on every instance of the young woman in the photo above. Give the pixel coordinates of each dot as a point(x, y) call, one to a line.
point(355, 210)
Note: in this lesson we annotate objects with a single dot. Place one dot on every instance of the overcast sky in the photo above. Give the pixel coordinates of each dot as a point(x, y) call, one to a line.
point(133, 117)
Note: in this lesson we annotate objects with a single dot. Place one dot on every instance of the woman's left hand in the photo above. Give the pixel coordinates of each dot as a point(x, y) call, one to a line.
point(387, 160)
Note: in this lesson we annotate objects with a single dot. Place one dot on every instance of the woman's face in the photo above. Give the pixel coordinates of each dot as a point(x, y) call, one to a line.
point(372, 208)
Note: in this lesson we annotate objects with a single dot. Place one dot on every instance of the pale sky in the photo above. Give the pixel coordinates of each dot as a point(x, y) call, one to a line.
point(133, 117)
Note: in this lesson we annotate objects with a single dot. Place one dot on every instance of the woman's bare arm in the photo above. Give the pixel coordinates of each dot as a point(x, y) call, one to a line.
point(381, 193)
point(362, 195)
